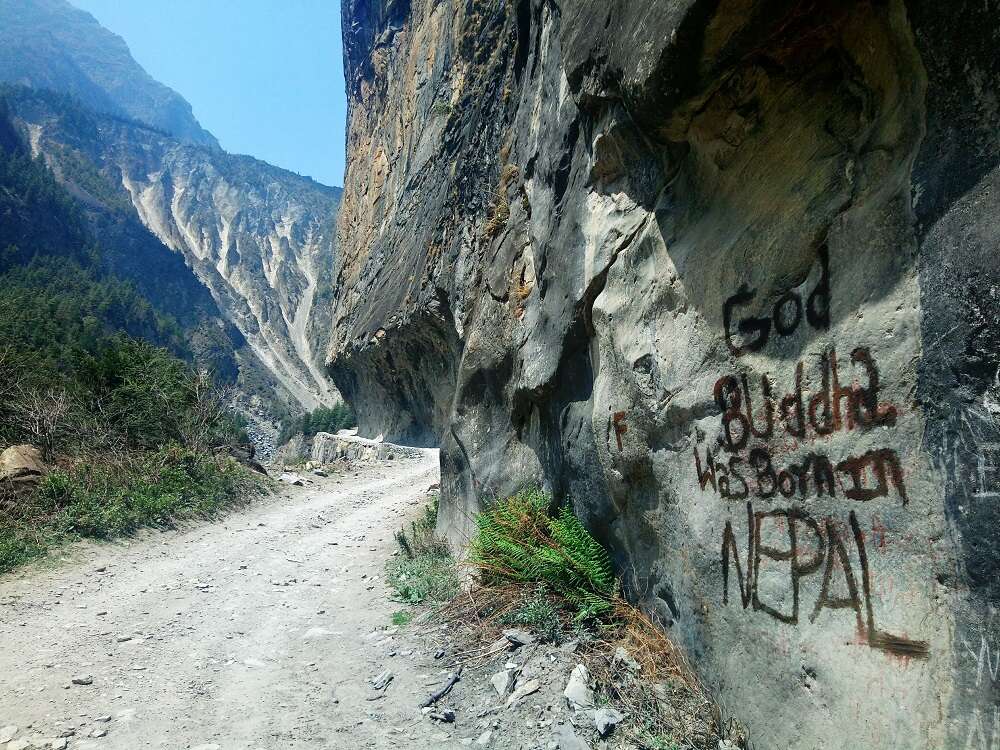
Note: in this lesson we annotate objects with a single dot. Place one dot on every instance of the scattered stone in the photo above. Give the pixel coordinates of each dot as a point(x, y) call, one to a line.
point(485, 739)
point(7, 733)
point(381, 681)
point(503, 682)
point(21, 744)
point(439, 654)
point(578, 694)
point(606, 719)
point(59, 744)
point(292, 479)
point(103, 719)
point(22, 463)
point(567, 739)
point(67, 733)
point(83, 679)
point(623, 658)
point(444, 715)
point(518, 637)
point(523, 691)
point(99, 733)
point(320, 473)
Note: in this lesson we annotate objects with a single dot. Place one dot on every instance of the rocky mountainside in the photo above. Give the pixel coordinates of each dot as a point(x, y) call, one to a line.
point(49, 44)
point(260, 239)
point(724, 274)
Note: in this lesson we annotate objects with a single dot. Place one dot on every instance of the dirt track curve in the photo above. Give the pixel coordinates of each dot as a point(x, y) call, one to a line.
point(256, 632)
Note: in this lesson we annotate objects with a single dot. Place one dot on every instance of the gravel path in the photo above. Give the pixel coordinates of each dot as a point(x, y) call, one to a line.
point(257, 632)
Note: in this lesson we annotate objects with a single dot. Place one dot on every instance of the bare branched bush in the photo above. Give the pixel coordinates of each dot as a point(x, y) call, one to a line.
point(41, 415)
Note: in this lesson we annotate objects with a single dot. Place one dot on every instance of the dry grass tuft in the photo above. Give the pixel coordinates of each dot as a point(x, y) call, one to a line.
point(501, 205)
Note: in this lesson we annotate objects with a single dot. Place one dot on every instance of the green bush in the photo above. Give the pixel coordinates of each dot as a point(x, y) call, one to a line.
point(425, 578)
point(518, 540)
point(425, 569)
point(324, 419)
point(540, 614)
point(108, 499)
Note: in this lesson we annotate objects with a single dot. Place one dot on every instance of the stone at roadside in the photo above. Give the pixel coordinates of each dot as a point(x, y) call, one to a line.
point(623, 659)
point(83, 679)
point(293, 479)
point(7, 733)
point(567, 739)
point(578, 694)
point(485, 739)
point(606, 719)
point(523, 691)
point(319, 473)
point(381, 681)
point(444, 715)
point(519, 637)
point(503, 682)
point(22, 463)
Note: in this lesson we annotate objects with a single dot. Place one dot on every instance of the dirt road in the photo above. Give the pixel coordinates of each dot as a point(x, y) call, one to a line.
point(259, 631)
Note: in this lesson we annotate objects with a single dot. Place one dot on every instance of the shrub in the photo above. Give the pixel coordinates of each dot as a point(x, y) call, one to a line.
point(442, 109)
point(519, 540)
point(112, 498)
point(324, 419)
point(428, 577)
point(539, 613)
point(425, 569)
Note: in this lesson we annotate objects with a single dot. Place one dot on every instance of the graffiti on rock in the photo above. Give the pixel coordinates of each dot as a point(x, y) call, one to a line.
point(786, 317)
point(814, 547)
point(761, 422)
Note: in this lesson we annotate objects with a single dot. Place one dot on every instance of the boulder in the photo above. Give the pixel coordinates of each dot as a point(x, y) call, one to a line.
point(22, 463)
point(605, 720)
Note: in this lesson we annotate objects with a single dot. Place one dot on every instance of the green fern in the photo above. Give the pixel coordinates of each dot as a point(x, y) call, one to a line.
point(518, 540)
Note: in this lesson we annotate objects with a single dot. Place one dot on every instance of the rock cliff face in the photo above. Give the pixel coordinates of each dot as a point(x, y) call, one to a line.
point(724, 274)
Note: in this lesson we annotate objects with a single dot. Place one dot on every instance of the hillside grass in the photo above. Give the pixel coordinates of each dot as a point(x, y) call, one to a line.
point(89, 499)
point(98, 378)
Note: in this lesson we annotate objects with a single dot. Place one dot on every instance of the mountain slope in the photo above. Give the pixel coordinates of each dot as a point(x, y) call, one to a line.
point(49, 44)
point(260, 239)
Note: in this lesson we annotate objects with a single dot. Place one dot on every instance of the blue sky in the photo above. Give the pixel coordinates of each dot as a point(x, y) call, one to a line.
point(265, 76)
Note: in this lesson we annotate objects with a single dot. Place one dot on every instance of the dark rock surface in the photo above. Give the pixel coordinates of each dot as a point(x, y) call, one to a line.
point(725, 275)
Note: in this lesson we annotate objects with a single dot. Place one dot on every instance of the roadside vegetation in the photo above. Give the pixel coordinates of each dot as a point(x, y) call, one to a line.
point(129, 435)
point(98, 390)
point(424, 571)
point(324, 419)
point(532, 564)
